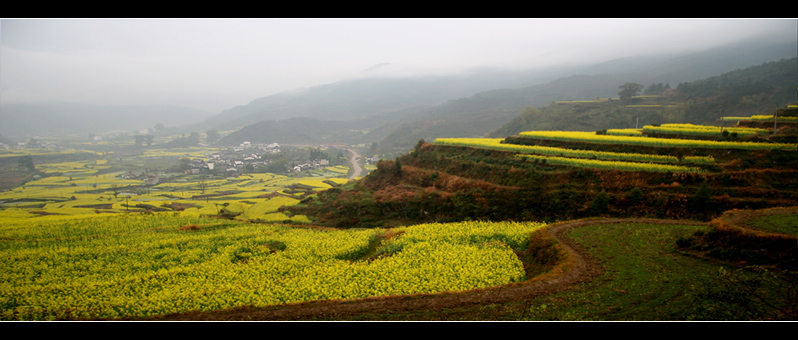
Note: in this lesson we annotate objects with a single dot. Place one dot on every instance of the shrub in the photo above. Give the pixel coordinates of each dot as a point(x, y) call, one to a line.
point(600, 204)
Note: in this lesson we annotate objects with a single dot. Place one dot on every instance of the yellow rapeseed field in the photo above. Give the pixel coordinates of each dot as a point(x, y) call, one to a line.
point(138, 265)
point(650, 141)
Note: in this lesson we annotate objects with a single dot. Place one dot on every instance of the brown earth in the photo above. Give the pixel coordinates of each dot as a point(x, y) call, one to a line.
point(577, 268)
point(743, 218)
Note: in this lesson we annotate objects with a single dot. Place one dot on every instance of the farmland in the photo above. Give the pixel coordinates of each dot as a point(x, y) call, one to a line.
point(101, 185)
point(585, 158)
point(140, 265)
point(137, 245)
point(453, 220)
point(657, 142)
point(401, 190)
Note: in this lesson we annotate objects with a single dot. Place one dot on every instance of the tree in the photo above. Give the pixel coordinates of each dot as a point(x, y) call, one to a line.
point(211, 136)
point(636, 195)
point(657, 88)
point(194, 138)
point(600, 204)
point(26, 162)
point(203, 184)
point(149, 139)
point(183, 141)
point(318, 154)
point(629, 90)
point(397, 168)
point(184, 164)
point(278, 165)
point(702, 199)
point(139, 139)
point(418, 146)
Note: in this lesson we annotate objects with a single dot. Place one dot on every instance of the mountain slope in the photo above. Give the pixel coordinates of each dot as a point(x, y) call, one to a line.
point(438, 182)
point(396, 112)
point(598, 81)
point(359, 98)
point(42, 118)
point(752, 90)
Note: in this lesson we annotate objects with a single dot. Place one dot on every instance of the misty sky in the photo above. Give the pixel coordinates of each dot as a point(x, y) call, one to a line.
point(216, 64)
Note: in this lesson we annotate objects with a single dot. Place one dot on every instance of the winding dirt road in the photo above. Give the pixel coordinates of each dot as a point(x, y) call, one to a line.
point(584, 269)
point(354, 159)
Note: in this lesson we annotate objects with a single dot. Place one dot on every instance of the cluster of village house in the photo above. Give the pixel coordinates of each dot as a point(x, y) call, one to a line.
point(233, 160)
point(29, 144)
point(236, 159)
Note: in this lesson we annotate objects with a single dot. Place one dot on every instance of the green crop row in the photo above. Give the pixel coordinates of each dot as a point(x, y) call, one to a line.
point(761, 118)
point(611, 165)
point(701, 130)
point(591, 137)
point(625, 132)
point(496, 143)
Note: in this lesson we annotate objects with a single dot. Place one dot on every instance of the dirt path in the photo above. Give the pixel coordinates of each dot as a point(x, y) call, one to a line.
point(354, 159)
point(586, 267)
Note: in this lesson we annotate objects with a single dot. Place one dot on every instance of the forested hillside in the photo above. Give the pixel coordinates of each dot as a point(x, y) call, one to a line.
point(754, 90)
point(373, 95)
point(294, 131)
point(504, 112)
point(395, 113)
point(442, 182)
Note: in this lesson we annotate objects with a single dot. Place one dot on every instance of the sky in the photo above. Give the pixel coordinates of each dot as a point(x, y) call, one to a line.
point(217, 64)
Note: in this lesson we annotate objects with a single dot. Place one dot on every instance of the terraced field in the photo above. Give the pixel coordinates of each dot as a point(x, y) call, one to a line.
point(82, 187)
point(610, 269)
point(147, 265)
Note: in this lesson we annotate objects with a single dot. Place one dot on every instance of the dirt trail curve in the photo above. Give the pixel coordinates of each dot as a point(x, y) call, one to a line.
point(354, 159)
point(586, 268)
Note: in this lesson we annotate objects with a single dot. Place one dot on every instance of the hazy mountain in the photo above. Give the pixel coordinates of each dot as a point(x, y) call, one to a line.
point(387, 98)
point(53, 117)
point(743, 92)
point(381, 89)
point(486, 111)
point(482, 100)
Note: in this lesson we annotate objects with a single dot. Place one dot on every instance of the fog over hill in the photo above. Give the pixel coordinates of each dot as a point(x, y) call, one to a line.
point(388, 97)
point(454, 106)
point(377, 91)
point(21, 120)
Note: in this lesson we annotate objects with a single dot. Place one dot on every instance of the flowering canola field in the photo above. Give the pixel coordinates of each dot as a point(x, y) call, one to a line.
point(701, 130)
point(591, 137)
point(585, 158)
point(138, 265)
point(76, 188)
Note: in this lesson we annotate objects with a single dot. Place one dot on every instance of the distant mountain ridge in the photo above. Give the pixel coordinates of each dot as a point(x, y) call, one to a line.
point(431, 107)
point(363, 97)
point(750, 91)
point(388, 109)
point(56, 117)
point(494, 109)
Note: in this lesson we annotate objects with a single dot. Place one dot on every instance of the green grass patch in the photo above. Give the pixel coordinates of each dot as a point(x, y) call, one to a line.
point(781, 223)
point(645, 278)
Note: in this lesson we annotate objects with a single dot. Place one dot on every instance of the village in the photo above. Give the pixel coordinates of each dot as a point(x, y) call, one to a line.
point(233, 161)
point(259, 158)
